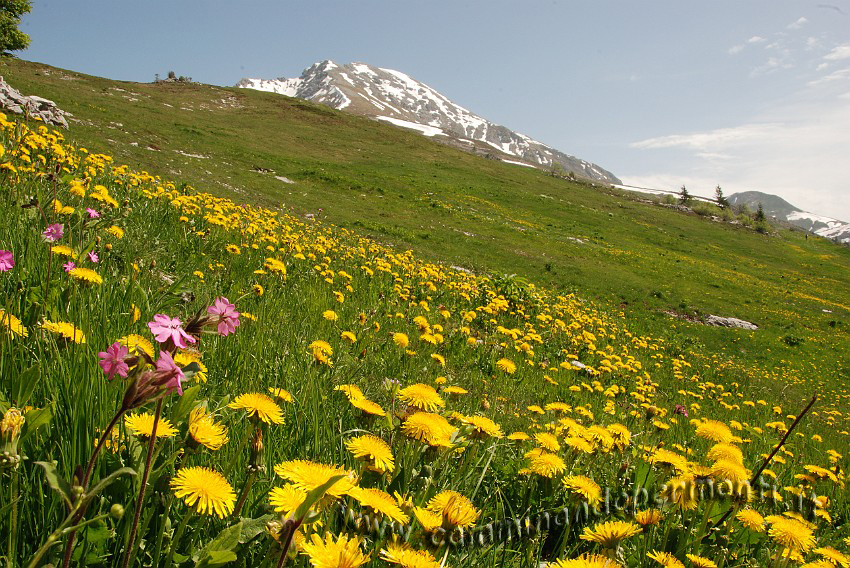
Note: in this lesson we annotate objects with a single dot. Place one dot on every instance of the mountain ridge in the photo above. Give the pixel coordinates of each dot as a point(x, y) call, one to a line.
point(778, 208)
point(395, 97)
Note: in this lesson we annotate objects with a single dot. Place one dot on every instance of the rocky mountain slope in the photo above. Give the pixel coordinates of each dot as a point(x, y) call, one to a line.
point(397, 98)
point(776, 207)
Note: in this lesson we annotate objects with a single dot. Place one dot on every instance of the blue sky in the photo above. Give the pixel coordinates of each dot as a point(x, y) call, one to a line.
point(751, 95)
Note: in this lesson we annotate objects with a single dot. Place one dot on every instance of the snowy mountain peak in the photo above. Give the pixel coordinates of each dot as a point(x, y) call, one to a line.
point(395, 97)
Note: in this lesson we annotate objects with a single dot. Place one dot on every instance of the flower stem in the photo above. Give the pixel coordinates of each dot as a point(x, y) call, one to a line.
point(69, 544)
point(245, 490)
point(128, 552)
point(177, 535)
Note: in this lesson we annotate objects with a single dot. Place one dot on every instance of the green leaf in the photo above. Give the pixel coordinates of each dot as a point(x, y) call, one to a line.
point(214, 553)
point(107, 481)
point(217, 558)
point(251, 528)
point(58, 483)
point(313, 496)
point(26, 385)
point(186, 403)
point(35, 421)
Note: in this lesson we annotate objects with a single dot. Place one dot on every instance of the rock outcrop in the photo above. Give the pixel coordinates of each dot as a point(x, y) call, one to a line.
point(34, 107)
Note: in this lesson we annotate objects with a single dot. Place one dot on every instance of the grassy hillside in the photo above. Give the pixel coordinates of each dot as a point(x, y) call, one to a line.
point(192, 381)
point(408, 191)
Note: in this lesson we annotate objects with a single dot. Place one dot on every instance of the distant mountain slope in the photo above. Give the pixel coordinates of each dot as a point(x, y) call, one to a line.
point(395, 97)
point(776, 207)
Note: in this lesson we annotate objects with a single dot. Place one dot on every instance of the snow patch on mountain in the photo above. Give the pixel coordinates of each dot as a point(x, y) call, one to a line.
point(426, 130)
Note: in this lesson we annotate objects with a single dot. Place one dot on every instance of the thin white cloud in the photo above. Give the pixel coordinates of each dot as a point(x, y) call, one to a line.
point(736, 49)
point(756, 39)
point(797, 24)
point(710, 140)
point(839, 53)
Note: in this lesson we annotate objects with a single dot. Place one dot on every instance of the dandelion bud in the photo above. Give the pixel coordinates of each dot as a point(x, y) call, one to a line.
point(116, 511)
point(10, 426)
point(98, 239)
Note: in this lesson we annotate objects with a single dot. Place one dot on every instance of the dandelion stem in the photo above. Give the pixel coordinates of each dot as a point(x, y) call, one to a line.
point(249, 483)
point(128, 553)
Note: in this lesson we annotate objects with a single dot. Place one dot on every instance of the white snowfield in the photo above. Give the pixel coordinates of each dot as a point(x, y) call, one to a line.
point(426, 130)
point(397, 98)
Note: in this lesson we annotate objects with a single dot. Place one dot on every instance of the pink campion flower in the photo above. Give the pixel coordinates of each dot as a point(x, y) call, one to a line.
point(225, 315)
point(93, 214)
point(7, 260)
point(169, 370)
point(54, 232)
point(681, 410)
point(165, 328)
point(69, 266)
point(93, 257)
point(112, 361)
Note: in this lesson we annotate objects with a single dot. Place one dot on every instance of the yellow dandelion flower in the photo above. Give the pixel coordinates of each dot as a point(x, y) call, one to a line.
point(609, 534)
point(380, 502)
point(281, 394)
point(233, 249)
point(584, 487)
point(716, 431)
point(545, 464)
point(401, 340)
point(275, 266)
point(13, 325)
point(286, 499)
point(307, 475)
point(506, 366)
point(205, 430)
point(342, 552)
point(456, 510)
point(547, 441)
point(834, 556)
point(429, 520)
point(484, 427)
point(665, 559)
point(67, 330)
point(407, 557)
point(421, 396)
point(142, 425)
point(205, 489)
point(379, 456)
point(455, 390)
point(348, 336)
point(648, 517)
point(116, 232)
point(430, 428)
point(330, 315)
point(260, 406)
point(351, 391)
point(368, 406)
point(86, 275)
point(519, 436)
point(439, 359)
point(137, 344)
point(700, 561)
point(62, 250)
point(587, 561)
point(184, 358)
point(791, 534)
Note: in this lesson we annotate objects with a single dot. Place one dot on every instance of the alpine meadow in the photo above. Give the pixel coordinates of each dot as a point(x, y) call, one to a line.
point(243, 329)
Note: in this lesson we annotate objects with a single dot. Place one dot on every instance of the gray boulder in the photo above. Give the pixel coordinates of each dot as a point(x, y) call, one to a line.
point(34, 107)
